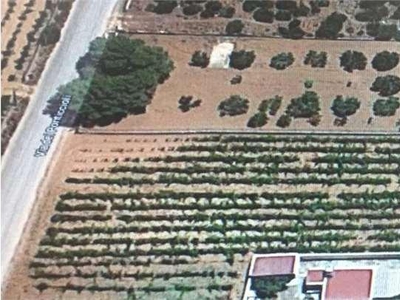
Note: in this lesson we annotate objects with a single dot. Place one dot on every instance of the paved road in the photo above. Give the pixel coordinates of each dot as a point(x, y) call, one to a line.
point(21, 171)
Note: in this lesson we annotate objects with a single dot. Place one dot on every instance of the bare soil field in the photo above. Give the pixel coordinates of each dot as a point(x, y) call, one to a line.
point(177, 217)
point(260, 82)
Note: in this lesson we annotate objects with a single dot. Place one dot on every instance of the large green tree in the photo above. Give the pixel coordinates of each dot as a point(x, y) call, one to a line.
point(117, 77)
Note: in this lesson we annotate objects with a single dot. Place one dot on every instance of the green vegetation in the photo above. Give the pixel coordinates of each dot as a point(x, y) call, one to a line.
point(293, 31)
point(308, 83)
point(159, 220)
point(271, 105)
point(118, 77)
point(268, 287)
point(186, 103)
point(343, 108)
point(233, 106)
point(162, 7)
point(386, 85)
point(386, 107)
point(234, 27)
point(284, 121)
point(282, 61)
point(251, 5)
point(259, 119)
point(263, 15)
point(241, 59)
point(331, 26)
point(316, 59)
point(305, 106)
point(200, 59)
point(385, 61)
point(353, 60)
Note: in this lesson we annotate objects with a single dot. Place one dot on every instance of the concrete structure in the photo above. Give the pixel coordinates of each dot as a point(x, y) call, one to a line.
point(220, 55)
point(339, 276)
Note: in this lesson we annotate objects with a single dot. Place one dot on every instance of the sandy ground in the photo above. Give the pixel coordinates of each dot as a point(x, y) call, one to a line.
point(77, 155)
point(260, 82)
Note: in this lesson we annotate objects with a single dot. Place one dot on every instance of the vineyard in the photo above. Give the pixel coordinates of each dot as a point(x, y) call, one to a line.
point(177, 217)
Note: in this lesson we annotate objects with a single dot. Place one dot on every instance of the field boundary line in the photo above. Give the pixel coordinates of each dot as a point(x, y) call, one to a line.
point(228, 131)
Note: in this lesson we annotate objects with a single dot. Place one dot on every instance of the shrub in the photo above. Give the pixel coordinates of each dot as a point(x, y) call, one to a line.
point(302, 11)
point(263, 15)
point(386, 85)
point(271, 104)
point(164, 7)
point(233, 106)
point(290, 5)
point(387, 32)
point(284, 121)
point(304, 106)
point(50, 35)
point(283, 15)
point(386, 107)
point(200, 59)
point(316, 59)
point(259, 119)
point(186, 103)
point(251, 5)
point(282, 60)
point(308, 83)
point(353, 60)
point(241, 59)
point(227, 12)
point(331, 26)
point(234, 27)
point(192, 9)
point(343, 108)
point(385, 60)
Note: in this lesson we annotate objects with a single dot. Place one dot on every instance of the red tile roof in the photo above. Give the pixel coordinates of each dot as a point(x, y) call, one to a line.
point(315, 276)
point(273, 265)
point(349, 284)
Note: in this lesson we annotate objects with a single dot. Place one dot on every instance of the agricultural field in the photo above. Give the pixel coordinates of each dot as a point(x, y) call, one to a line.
point(30, 31)
point(295, 19)
point(261, 81)
point(178, 216)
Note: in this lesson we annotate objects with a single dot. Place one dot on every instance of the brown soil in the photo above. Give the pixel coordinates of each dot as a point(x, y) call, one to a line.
point(259, 82)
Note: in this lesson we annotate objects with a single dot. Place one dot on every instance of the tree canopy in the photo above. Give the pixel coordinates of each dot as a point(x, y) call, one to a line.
point(233, 106)
point(200, 59)
point(282, 60)
point(386, 107)
point(117, 77)
point(343, 108)
point(331, 26)
point(305, 106)
point(353, 60)
point(241, 59)
point(385, 61)
point(234, 27)
point(386, 85)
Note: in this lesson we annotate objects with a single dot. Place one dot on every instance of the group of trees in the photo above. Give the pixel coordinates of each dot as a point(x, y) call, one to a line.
point(330, 28)
point(234, 27)
point(207, 9)
point(267, 287)
point(268, 106)
point(305, 106)
point(117, 77)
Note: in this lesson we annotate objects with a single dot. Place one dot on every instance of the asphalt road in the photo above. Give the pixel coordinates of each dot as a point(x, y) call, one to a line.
point(21, 171)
